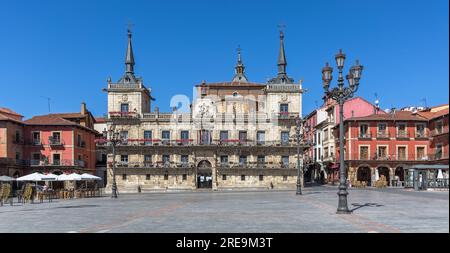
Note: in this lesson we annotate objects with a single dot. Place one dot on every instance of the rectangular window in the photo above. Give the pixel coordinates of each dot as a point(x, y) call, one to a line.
point(364, 153)
point(420, 130)
point(55, 138)
point(124, 176)
point(260, 137)
point(325, 135)
point(184, 160)
point(185, 137)
point(284, 178)
point(124, 137)
point(242, 136)
point(36, 138)
point(123, 107)
point(147, 160)
point(420, 153)
point(284, 138)
point(382, 152)
point(438, 154)
point(242, 160)
point(261, 161)
point(17, 155)
point(242, 177)
point(165, 136)
point(325, 152)
point(184, 177)
point(285, 161)
point(124, 159)
point(79, 142)
point(401, 131)
point(166, 160)
point(37, 156)
point(56, 159)
point(205, 137)
point(223, 136)
point(439, 127)
point(224, 177)
point(382, 130)
point(224, 160)
point(401, 153)
point(261, 177)
point(17, 137)
point(166, 176)
point(364, 131)
point(147, 177)
point(284, 108)
point(148, 137)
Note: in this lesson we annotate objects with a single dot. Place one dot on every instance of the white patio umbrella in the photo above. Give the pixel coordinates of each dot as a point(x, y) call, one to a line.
point(377, 175)
point(440, 175)
point(49, 177)
point(89, 177)
point(6, 179)
point(86, 176)
point(36, 176)
point(69, 177)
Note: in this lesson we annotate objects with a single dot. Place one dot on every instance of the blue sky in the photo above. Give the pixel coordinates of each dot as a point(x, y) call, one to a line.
point(66, 50)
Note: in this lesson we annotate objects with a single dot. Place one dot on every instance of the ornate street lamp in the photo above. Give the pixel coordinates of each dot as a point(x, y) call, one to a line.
point(113, 139)
point(341, 94)
point(299, 134)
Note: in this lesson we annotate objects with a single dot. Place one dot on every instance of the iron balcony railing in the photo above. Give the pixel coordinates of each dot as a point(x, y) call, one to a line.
point(365, 136)
point(383, 135)
point(123, 115)
point(12, 161)
point(191, 142)
point(420, 135)
point(55, 141)
point(396, 157)
point(55, 162)
point(402, 135)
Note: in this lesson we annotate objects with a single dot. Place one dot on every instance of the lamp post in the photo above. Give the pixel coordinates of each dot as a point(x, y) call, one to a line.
point(299, 133)
point(341, 94)
point(113, 140)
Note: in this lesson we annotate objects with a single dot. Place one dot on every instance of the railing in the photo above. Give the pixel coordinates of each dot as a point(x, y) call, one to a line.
point(55, 141)
point(438, 132)
point(62, 162)
point(402, 135)
point(421, 135)
point(285, 115)
point(191, 142)
point(365, 136)
point(17, 141)
point(125, 86)
point(283, 88)
point(438, 183)
point(123, 115)
point(396, 157)
point(383, 135)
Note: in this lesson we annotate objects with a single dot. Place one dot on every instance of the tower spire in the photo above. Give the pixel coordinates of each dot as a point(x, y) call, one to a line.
point(129, 58)
point(282, 57)
point(239, 69)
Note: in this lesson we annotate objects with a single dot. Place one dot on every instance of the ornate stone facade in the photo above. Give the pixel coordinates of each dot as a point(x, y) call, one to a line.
point(235, 134)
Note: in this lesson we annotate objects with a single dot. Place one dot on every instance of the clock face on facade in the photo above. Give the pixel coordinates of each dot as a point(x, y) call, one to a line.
point(284, 97)
point(124, 98)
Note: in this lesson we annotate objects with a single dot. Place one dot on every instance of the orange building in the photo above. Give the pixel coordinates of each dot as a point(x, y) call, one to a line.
point(388, 144)
point(56, 143)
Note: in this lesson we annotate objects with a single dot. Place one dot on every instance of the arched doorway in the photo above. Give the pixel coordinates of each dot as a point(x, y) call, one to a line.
point(384, 171)
point(204, 174)
point(17, 184)
point(363, 174)
point(400, 173)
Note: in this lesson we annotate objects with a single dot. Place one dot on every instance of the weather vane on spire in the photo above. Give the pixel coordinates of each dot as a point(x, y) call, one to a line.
point(281, 27)
point(130, 25)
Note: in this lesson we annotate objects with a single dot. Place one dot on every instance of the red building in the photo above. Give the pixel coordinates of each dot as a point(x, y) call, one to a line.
point(55, 143)
point(388, 144)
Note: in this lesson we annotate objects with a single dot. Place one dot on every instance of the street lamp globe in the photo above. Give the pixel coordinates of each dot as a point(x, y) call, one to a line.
point(340, 58)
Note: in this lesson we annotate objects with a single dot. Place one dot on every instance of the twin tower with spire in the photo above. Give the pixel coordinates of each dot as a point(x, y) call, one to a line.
point(281, 78)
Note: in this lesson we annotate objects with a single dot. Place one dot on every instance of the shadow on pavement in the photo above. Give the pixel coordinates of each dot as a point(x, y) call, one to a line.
point(358, 206)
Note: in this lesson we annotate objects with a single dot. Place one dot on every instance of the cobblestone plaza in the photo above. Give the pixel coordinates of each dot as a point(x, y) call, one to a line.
point(374, 211)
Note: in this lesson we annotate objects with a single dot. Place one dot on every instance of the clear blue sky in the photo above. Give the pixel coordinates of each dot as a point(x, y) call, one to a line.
point(66, 50)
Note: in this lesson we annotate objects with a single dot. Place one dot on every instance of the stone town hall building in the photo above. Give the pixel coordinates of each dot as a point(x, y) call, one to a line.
point(235, 134)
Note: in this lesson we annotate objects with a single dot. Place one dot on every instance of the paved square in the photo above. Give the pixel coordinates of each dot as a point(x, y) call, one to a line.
point(387, 210)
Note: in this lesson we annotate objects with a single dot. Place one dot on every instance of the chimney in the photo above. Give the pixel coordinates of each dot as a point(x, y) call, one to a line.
point(83, 108)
